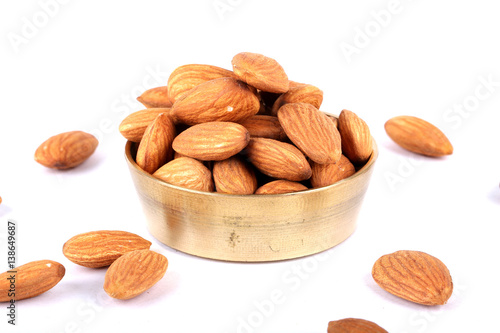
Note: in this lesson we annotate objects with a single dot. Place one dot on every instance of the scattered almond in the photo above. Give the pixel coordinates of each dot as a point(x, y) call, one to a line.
point(354, 325)
point(134, 273)
point(415, 276)
point(66, 150)
point(101, 248)
point(418, 136)
point(30, 280)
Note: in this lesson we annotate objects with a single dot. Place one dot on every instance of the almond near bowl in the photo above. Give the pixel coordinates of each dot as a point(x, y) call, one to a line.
point(250, 228)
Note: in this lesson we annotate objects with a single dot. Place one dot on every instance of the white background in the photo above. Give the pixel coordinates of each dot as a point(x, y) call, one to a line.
point(79, 65)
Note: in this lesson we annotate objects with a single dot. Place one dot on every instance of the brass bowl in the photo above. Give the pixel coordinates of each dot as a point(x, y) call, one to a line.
point(250, 228)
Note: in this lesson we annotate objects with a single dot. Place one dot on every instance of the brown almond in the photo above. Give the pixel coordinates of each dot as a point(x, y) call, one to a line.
point(224, 99)
point(155, 148)
point(66, 150)
point(155, 98)
point(415, 276)
point(418, 136)
point(30, 280)
point(261, 72)
point(265, 126)
point(278, 159)
point(328, 174)
point(304, 93)
point(101, 248)
point(234, 176)
point(354, 325)
point(311, 131)
point(134, 273)
point(186, 77)
point(355, 137)
point(212, 141)
point(134, 125)
point(280, 186)
point(186, 172)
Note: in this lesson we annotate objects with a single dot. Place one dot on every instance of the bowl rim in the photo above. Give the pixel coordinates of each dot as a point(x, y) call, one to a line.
point(365, 168)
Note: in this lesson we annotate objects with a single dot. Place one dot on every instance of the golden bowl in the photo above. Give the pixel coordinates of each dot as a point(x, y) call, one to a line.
point(250, 228)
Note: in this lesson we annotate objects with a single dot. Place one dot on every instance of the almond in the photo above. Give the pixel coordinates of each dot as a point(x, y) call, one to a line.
point(186, 172)
point(186, 77)
point(355, 137)
point(354, 325)
point(101, 248)
point(280, 186)
point(155, 148)
point(418, 136)
point(155, 98)
point(134, 273)
point(134, 125)
point(234, 176)
point(278, 159)
point(212, 141)
point(328, 174)
point(311, 131)
point(304, 93)
point(415, 276)
point(224, 99)
point(265, 126)
point(66, 150)
point(261, 72)
point(30, 280)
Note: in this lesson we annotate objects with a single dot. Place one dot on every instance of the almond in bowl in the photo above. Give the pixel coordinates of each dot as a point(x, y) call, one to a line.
point(244, 182)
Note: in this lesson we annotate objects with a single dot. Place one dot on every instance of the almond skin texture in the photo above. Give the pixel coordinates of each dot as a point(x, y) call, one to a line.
point(261, 72)
point(155, 148)
point(101, 248)
point(224, 99)
point(66, 150)
point(212, 141)
point(31, 279)
point(311, 131)
point(280, 186)
point(186, 77)
point(234, 176)
point(155, 98)
point(134, 273)
point(304, 93)
point(355, 137)
point(354, 325)
point(134, 125)
point(186, 172)
point(415, 276)
point(278, 159)
point(418, 136)
point(328, 174)
point(265, 126)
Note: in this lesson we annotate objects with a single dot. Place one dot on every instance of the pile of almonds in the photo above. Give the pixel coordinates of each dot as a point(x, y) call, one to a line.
point(246, 131)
